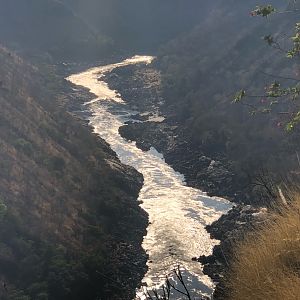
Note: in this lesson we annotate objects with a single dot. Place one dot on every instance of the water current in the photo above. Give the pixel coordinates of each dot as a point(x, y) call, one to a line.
point(178, 214)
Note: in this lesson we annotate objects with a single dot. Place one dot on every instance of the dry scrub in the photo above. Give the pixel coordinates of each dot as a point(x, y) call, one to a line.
point(267, 265)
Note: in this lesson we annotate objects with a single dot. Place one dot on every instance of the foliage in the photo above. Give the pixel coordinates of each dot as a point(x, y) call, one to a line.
point(277, 94)
point(41, 270)
point(263, 11)
point(295, 51)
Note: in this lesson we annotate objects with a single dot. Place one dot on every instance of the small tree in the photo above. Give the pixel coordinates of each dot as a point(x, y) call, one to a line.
point(276, 93)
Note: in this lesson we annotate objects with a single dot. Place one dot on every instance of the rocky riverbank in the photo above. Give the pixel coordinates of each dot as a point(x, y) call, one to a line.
point(156, 125)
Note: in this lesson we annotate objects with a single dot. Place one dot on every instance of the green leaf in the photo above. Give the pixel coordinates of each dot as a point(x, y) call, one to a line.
point(263, 11)
point(239, 96)
point(289, 126)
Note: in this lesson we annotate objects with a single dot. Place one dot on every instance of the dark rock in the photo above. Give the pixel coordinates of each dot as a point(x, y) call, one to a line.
point(145, 146)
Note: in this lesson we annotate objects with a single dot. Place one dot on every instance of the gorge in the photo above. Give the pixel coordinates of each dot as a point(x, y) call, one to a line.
point(177, 214)
point(117, 167)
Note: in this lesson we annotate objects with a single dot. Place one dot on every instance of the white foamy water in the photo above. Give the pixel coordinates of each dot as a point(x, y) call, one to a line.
point(177, 213)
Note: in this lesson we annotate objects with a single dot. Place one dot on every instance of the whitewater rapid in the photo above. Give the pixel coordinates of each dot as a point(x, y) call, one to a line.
point(177, 214)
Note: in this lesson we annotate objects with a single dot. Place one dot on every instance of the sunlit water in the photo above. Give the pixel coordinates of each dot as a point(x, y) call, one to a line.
point(177, 213)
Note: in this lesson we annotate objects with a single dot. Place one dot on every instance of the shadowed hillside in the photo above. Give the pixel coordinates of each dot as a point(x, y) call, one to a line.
point(141, 25)
point(70, 224)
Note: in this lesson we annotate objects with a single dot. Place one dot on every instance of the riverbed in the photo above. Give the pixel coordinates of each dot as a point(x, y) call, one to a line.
point(177, 214)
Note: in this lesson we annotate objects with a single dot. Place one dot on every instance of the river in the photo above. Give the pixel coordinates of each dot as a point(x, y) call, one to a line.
point(177, 214)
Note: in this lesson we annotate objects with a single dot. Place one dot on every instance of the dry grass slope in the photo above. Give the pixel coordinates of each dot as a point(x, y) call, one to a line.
point(267, 265)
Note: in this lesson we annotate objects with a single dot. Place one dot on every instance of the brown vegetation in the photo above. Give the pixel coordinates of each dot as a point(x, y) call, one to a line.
point(267, 264)
point(69, 220)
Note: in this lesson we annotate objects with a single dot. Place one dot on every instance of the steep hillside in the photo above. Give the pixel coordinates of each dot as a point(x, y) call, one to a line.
point(201, 73)
point(70, 222)
point(40, 27)
point(94, 29)
point(212, 140)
